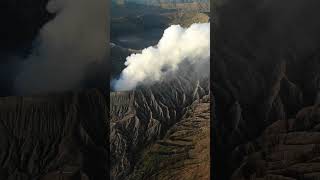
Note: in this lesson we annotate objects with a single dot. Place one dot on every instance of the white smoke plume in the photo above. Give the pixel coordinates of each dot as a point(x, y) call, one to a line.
point(75, 39)
point(176, 46)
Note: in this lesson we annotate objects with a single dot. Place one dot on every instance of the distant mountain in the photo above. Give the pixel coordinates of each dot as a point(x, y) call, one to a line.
point(169, 4)
point(161, 1)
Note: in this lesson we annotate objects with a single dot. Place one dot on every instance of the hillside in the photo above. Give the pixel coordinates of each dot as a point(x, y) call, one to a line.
point(266, 87)
point(184, 152)
point(57, 136)
point(141, 117)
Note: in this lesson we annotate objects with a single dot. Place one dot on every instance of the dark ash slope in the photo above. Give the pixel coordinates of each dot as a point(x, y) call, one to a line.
point(54, 136)
point(266, 69)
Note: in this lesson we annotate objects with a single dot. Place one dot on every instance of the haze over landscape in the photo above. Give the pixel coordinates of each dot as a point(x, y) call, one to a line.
point(260, 111)
point(65, 48)
point(68, 125)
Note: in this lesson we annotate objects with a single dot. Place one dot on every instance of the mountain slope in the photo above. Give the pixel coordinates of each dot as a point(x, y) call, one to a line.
point(142, 116)
point(287, 149)
point(54, 136)
point(266, 70)
point(184, 152)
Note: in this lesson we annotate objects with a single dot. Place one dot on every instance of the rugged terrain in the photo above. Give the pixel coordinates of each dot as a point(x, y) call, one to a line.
point(184, 152)
point(266, 86)
point(51, 137)
point(287, 149)
point(141, 119)
point(161, 130)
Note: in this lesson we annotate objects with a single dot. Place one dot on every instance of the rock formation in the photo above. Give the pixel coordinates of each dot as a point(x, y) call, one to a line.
point(184, 152)
point(142, 118)
point(54, 136)
point(266, 74)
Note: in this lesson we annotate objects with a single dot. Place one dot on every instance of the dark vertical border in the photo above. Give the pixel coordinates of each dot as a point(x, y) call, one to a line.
point(108, 29)
point(212, 102)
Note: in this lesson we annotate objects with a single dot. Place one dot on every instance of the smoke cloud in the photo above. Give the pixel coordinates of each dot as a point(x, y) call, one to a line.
point(66, 46)
point(177, 45)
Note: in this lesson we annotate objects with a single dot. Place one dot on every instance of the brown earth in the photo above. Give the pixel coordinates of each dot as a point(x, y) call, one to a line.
point(184, 152)
point(289, 149)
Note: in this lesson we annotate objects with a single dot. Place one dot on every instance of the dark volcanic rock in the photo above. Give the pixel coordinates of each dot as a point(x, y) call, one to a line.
point(288, 149)
point(53, 137)
point(266, 70)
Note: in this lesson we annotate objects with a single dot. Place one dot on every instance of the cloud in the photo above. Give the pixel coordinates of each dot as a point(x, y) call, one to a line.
point(66, 46)
point(177, 45)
